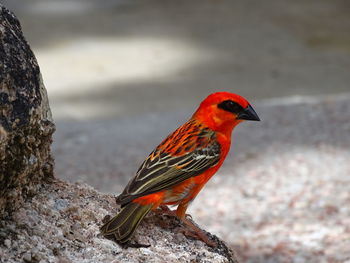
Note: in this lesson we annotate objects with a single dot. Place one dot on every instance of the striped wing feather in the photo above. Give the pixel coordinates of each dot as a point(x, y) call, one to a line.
point(162, 171)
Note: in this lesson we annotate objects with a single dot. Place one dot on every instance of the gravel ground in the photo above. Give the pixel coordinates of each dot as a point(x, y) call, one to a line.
point(281, 196)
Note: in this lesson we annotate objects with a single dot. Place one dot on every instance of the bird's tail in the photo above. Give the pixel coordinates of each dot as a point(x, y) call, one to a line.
point(123, 225)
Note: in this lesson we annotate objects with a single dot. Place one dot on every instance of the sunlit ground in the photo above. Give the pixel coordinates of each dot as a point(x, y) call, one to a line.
point(112, 63)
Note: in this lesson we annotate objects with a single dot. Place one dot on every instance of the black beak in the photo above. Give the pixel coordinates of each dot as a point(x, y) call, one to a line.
point(248, 114)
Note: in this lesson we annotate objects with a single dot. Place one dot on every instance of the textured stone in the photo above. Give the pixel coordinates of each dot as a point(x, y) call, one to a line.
point(26, 124)
point(79, 238)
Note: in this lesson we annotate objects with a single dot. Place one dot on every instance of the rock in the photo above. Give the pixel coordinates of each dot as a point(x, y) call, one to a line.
point(26, 124)
point(27, 257)
point(79, 238)
point(7, 243)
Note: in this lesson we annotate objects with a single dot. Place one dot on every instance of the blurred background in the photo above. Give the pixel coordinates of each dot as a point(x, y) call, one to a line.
point(133, 56)
point(122, 74)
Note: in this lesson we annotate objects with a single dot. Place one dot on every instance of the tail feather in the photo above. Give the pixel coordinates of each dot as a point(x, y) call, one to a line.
point(123, 225)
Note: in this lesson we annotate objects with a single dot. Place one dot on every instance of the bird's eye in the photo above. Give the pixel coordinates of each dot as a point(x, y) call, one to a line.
point(231, 106)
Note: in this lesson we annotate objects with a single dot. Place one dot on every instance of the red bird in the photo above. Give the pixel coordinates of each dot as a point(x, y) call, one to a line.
point(175, 172)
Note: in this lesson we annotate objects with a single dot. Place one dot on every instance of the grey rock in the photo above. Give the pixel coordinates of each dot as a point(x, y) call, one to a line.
point(26, 124)
point(27, 257)
point(79, 239)
point(60, 204)
point(7, 243)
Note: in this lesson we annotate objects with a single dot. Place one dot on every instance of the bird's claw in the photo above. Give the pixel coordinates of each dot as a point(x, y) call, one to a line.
point(199, 236)
point(188, 217)
point(192, 230)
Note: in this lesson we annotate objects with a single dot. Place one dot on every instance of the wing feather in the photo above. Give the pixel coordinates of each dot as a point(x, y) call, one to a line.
point(162, 171)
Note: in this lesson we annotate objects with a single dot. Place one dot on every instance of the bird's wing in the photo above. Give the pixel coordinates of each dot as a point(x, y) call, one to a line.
point(162, 170)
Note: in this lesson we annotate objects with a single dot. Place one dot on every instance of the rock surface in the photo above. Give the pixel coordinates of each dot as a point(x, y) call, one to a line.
point(61, 224)
point(26, 125)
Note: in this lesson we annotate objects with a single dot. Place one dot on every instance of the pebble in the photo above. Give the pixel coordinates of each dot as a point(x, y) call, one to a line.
point(7, 243)
point(27, 257)
point(145, 251)
point(60, 204)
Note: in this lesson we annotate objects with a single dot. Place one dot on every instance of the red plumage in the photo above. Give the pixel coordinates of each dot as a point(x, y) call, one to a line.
point(175, 172)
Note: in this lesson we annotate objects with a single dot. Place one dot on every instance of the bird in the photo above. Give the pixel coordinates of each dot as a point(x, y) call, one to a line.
point(178, 168)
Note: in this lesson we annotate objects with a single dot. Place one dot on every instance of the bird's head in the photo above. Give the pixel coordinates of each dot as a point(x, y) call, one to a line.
point(222, 111)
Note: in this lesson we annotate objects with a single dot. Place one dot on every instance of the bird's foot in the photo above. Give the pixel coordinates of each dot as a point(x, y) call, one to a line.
point(192, 230)
point(199, 235)
point(189, 229)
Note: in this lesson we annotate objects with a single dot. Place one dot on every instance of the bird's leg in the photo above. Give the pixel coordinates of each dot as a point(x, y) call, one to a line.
point(192, 230)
